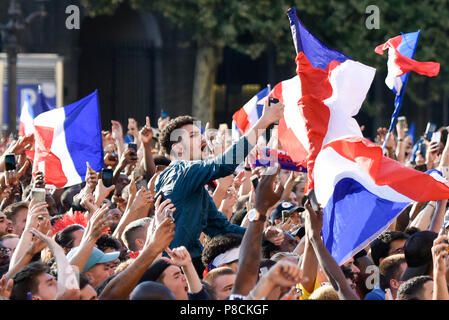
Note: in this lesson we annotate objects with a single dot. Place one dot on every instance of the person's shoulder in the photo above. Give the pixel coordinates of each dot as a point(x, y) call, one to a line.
point(375, 294)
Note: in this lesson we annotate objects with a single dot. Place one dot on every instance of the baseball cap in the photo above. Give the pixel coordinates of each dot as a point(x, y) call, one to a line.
point(418, 254)
point(96, 257)
point(284, 206)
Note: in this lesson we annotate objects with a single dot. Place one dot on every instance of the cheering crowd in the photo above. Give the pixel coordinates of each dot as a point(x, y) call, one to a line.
point(187, 215)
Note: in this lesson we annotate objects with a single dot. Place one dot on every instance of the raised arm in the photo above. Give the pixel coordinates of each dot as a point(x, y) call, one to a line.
point(181, 257)
point(439, 255)
point(250, 250)
point(146, 136)
point(123, 284)
point(313, 225)
point(67, 282)
point(95, 226)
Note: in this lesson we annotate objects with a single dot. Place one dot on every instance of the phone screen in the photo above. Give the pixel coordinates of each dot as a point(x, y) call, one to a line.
point(38, 194)
point(132, 146)
point(106, 177)
point(10, 162)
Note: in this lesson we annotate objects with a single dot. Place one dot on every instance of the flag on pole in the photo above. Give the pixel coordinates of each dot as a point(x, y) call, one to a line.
point(321, 101)
point(66, 138)
point(401, 50)
point(246, 117)
point(362, 192)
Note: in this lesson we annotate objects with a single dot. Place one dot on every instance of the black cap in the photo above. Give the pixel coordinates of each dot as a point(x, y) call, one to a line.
point(284, 206)
point(418, 254)
point(155, 270)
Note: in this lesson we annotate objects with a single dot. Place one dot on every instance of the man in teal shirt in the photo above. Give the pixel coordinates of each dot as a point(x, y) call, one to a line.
point(184, 180)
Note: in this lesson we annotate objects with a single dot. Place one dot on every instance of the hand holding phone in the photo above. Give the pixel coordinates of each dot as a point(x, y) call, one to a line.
point(313, 200)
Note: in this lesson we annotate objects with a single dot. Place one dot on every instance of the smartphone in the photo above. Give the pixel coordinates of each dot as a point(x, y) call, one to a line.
point(254, 181)
point(436, 137)
point(313, 200)
point(285, 215)
point(132, 146)
point(402, 122)
point(38, 194)
point(10, 162)
point(430, 129)
point(272, 101)
point(107, 177)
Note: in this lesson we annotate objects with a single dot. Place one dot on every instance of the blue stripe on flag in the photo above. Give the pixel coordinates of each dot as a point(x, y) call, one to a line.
point(354, 217)
point(82, 130)
point(318, 54)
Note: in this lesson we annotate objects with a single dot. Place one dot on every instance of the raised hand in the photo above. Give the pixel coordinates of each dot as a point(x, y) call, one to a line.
point(146, 133)
point(88, 202)
point(272, 114)
point(98, 223)
point(117, 130)
point(266, 196)
point(91, 178)
point(161, 208)
point(144, 198)
point(274, 235)
point(101, 192)
point(284, 274)
point(161, 238)
point(178, 256)
point(34, 211)
point(6, 287)
point(313, 221)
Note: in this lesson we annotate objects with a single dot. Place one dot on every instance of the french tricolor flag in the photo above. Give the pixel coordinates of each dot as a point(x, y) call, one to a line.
point(362, 192)
point(321, 101)
point(246, 117)
point(65, 139)
point(30, 111)
point(401, 50)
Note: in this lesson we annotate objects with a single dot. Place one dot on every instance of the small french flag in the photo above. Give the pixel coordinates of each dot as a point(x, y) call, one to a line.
point(246, 117)
point(30, 111)
point(65, 139)
point(362, 192)
point(401, 50)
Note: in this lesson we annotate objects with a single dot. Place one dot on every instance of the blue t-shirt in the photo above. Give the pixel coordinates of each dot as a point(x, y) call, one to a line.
point(376, 294)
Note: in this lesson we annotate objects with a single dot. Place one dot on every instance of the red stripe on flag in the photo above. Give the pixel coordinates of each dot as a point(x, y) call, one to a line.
point(315, 88)
point(414, 184)
point(429, 68)
point(241, 120)
point(43, 140)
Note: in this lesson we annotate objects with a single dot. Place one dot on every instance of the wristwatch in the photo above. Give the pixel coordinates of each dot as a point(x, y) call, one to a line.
point(254, 215)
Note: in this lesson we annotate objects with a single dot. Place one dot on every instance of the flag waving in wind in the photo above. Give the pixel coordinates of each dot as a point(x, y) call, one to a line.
point(321, 101)
point(401, 50)
point(66, 138)
point(246, 117)
point(30, 111)
point(362, 192)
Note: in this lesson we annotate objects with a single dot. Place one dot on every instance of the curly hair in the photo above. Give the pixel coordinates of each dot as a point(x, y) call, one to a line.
point(218, 245)
point(176, 123)
point(381, 245)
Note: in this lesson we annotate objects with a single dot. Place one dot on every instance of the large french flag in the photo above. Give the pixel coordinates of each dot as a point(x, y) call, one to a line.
point(30, 111)
point(321, 101)
point(401, 50)
point(66, 138)
point(246, 117)
point(362, 192)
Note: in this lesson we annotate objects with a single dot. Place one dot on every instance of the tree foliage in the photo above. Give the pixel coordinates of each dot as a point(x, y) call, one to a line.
point(252, 26)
